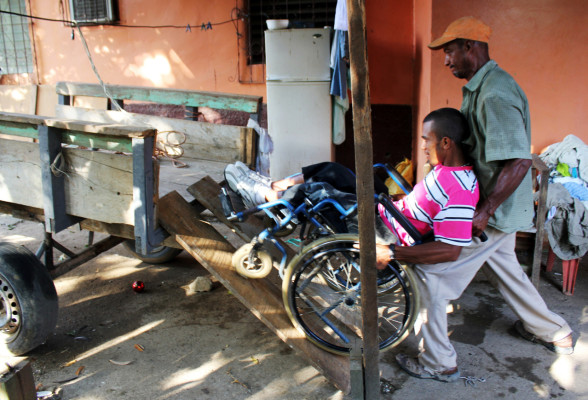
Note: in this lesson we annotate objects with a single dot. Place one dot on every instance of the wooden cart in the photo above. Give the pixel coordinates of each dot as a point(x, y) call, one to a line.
point(96, 168)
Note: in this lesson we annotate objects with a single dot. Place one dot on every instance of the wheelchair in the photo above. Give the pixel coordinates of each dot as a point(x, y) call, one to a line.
point(321, 285)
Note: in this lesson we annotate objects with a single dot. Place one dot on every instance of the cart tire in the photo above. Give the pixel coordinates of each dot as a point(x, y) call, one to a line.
point(159, 255)
point(29, 305)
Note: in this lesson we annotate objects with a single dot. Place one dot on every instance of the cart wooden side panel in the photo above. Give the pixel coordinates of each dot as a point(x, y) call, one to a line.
point(115, 186)
point(99, 184)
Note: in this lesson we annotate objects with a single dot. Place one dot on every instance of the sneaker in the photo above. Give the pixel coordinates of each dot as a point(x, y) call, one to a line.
point(412, 367)
point(256, 176)
point(251, 192)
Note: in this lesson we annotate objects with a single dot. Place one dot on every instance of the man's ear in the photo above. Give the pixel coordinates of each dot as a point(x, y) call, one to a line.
point(445, 142)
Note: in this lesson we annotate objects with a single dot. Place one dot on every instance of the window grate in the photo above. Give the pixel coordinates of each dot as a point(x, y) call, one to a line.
point(300, 13)
point(15, 44)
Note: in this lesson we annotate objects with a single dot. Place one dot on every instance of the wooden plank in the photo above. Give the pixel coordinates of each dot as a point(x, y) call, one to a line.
point(22, 118)
point(22, 125)
point(204, 140)
point(20, 169)
point(206, 191)
point(56, 216)
point(114, 130)
point(99, 185)
point(120, 230)
point(18, 98)
point(123, 145)
point(362, 128)
point(46, 100)
point(264, 300)
point(16, 380)
point(224, 101)
point(22, 212)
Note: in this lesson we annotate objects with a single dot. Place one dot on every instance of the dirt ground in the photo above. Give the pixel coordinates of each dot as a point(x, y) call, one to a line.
point(192, 345)
point(171, 343)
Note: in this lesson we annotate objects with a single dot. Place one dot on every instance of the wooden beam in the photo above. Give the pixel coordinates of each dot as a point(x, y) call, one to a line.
point(206, 141)
point(223, 101)
point(362, 126)
point(86, 255)
point(104, 129)
point(56, 216)
point(261, 297)
point(16, 380)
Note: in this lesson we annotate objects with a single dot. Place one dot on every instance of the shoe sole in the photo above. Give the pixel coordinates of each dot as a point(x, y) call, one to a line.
point(231, 178)
point(441, 378)
point(533, 339)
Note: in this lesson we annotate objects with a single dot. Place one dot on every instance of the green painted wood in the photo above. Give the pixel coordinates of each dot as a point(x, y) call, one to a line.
point(97, 141)
point(189, 98)
point(19, 129)
point(23, 125)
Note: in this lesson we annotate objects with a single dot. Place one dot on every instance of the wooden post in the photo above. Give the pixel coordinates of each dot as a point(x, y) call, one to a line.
point(17, 381)
point(362, 128)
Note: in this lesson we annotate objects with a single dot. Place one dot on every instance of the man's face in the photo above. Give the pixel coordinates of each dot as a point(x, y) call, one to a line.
point(456, 58)
point(431, 145)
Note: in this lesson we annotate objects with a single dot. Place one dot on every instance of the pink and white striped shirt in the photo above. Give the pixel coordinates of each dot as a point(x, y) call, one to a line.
point(444, 201)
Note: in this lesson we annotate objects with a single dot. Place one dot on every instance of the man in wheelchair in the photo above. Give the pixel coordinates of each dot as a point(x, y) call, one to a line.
point(443, 203)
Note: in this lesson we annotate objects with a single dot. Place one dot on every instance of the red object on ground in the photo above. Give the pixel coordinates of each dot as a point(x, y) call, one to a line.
point(569, 271)
point(138, 286)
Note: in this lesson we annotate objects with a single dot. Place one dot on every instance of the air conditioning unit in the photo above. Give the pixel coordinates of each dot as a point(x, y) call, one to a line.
point(92, 12)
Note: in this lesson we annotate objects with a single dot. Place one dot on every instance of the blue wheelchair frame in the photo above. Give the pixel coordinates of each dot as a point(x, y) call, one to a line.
point(308, 211)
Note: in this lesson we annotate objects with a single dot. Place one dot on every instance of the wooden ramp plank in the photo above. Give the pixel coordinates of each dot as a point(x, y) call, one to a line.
point(264, 299)
point(206, 191)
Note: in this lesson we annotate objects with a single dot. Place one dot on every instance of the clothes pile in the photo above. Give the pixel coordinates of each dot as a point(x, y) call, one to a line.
point(567, 197)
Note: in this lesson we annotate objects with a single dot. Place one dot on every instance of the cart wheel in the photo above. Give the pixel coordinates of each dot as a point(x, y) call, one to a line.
point(158, 255)
point(256, 269)
point(28, 312)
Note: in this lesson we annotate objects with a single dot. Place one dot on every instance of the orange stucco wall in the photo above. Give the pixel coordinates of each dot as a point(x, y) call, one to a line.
point(542, 44)
point(202, 60)
point(162, 57)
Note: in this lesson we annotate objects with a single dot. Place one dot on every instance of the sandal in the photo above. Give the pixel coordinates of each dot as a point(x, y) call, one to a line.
point(412, 367)
point(552, 346)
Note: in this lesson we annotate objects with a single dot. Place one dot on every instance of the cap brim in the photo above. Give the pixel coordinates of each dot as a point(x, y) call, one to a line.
point(442, 41)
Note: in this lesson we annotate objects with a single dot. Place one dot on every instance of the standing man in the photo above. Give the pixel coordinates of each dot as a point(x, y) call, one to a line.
point(497, 112)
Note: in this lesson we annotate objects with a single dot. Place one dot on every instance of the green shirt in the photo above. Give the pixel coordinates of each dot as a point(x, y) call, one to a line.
point(498, 115)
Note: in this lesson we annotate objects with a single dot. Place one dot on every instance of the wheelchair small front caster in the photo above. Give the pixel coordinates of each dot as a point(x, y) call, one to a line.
point(256, 267)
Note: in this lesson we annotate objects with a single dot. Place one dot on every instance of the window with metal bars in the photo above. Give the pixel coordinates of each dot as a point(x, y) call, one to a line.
point(15, 44)
point(93, 12)
point(300, 13)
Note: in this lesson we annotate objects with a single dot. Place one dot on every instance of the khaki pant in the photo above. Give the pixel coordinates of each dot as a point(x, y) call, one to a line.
point(443, 282)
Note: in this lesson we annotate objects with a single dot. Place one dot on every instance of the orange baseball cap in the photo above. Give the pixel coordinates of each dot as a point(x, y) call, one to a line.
point(464, 28)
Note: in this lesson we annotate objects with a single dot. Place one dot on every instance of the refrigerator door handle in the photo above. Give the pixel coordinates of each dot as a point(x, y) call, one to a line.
point(317, 35)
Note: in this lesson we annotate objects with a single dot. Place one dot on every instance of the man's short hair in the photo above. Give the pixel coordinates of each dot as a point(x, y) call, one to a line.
point(449, 122)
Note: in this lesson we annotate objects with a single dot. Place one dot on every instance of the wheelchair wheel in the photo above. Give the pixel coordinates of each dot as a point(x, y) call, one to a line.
point(258, 268)
point(322, 295)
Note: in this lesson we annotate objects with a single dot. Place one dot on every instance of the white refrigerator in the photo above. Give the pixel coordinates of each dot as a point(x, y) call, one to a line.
point(298, 100)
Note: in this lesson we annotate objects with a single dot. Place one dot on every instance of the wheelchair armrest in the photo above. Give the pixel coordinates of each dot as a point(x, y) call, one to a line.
point(401, 219)
point(396, 177)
